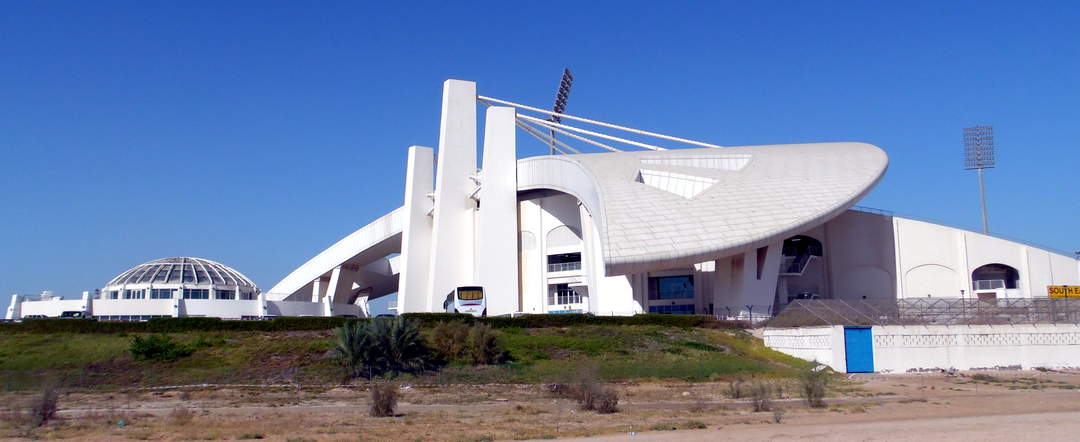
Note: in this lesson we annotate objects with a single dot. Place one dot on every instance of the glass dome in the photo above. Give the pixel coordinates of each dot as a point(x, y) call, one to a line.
point(186, 271)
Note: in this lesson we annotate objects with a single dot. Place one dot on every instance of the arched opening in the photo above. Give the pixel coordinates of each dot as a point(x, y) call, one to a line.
point(995, 276)
point(798, 250)
point(802, 271)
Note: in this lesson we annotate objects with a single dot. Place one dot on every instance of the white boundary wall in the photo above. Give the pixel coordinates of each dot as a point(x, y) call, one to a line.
point(899, 349)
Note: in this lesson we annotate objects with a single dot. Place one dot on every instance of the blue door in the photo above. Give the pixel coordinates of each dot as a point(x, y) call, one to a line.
point(859, 346)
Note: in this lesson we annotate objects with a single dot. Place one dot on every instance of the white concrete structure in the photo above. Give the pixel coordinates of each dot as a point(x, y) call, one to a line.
point(734, 231)
point(900, 349)
point(731, 231)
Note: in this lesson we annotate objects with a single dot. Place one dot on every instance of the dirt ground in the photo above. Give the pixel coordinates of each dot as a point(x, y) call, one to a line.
point(998, 405)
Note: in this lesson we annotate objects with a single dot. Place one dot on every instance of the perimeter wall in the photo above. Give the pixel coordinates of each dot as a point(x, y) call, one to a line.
point(900, 349)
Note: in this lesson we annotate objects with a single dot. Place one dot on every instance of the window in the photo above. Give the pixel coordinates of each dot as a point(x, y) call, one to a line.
point(162, 293)
point(685, 309)
point(134, 294)
point(196, 294)
point(470, 293)
point(562, 294)
point(114, 294)
point(671, 287)
point(247, 296)
point(995, 276)
point(225, 294)
point(564, 262)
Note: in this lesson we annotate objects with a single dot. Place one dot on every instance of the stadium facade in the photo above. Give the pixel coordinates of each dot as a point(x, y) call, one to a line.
point(732, 231)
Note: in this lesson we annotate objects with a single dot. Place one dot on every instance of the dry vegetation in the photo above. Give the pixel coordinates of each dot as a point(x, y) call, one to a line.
point(458, 413)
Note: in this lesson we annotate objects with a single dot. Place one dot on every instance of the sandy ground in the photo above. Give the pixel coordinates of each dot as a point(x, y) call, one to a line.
point(967, 406)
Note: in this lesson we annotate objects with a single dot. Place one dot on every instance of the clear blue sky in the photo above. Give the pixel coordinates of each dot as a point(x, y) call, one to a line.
point(256, 134)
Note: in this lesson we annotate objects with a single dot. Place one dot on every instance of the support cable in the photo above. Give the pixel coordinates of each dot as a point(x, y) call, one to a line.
point(598, 123)
point(549, 124)
point(539, 136)
point(581, 138)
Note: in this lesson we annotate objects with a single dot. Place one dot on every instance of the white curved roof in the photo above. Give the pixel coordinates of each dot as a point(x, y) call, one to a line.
point(182, 270)
point(663, 209)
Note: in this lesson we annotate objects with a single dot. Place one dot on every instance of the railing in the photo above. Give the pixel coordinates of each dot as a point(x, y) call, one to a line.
point(929, 311)
point(564, 266)
point(746, 312)
point(564, 296)
point(989, 284)
point(794, 265)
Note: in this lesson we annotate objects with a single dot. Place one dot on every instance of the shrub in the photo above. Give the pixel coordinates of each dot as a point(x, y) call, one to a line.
point(483, 346)
point(588, 387)
point(181, 416)
point(381, 347)
point(384, 398)
point(813, 384)
point(735, 388)
point(606, 401)
point(158, 347)
point(457, 340)
point(448, 339)
point(44, 407)
point(760, 393)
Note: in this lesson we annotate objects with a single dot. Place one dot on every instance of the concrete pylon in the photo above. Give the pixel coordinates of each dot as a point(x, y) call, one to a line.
point(413, 280)
point(497, 266)
point(453, 227)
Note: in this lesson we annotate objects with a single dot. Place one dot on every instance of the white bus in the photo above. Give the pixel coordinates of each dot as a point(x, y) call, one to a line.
point(467, 299)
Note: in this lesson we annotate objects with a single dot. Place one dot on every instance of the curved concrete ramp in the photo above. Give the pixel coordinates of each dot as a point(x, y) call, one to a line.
point(358, 262)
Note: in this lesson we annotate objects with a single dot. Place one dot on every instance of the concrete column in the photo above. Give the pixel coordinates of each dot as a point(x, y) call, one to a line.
point(452, 239)
point(332, 287)
point(327, 307)
point(318, 289)
point(592, 265)
point(497, 266)
point(415, 258)
point(262, 309)
point(14, 310)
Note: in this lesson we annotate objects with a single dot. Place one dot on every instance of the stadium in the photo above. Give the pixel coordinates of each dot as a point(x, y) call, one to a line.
point(644, 223)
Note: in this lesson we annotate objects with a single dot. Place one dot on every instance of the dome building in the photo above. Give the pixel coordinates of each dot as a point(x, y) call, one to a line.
point(176, 287)
point(183, 278)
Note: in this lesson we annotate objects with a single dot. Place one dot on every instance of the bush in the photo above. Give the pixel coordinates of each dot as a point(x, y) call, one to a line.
point(381, 347)
point(760, 396)
point(44, 407)
point(476, 343)
point(735, 388)
point(606, 401)
point(448, 339)
point(813, 384)
point(384, 398)
point(483, 346)
point(158, 347)
point(181, 416)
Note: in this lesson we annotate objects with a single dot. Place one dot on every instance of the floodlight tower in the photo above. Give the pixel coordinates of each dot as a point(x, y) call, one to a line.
point(560, 100)
point(979, 155)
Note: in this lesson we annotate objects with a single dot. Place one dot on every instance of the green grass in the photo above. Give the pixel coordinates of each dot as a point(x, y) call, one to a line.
point(538, 355)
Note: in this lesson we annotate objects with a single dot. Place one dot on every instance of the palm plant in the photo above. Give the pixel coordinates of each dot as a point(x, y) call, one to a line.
point(381, 347)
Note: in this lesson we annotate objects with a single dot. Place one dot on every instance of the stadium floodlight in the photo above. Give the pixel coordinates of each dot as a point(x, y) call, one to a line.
point(560, 100)
point(979, 155)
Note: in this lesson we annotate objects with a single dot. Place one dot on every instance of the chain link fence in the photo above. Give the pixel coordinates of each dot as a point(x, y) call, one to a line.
point(929, 311)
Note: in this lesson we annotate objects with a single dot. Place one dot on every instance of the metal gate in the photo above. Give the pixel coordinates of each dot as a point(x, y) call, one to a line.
point(859, 347)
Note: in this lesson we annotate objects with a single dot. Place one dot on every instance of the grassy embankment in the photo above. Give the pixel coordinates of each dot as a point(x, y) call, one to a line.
point(102, 361)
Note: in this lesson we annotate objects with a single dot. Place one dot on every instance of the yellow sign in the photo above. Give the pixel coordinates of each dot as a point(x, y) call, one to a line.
point(1063, 291)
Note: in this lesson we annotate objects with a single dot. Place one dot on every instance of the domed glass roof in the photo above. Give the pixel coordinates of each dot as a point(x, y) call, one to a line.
point(183, 270)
